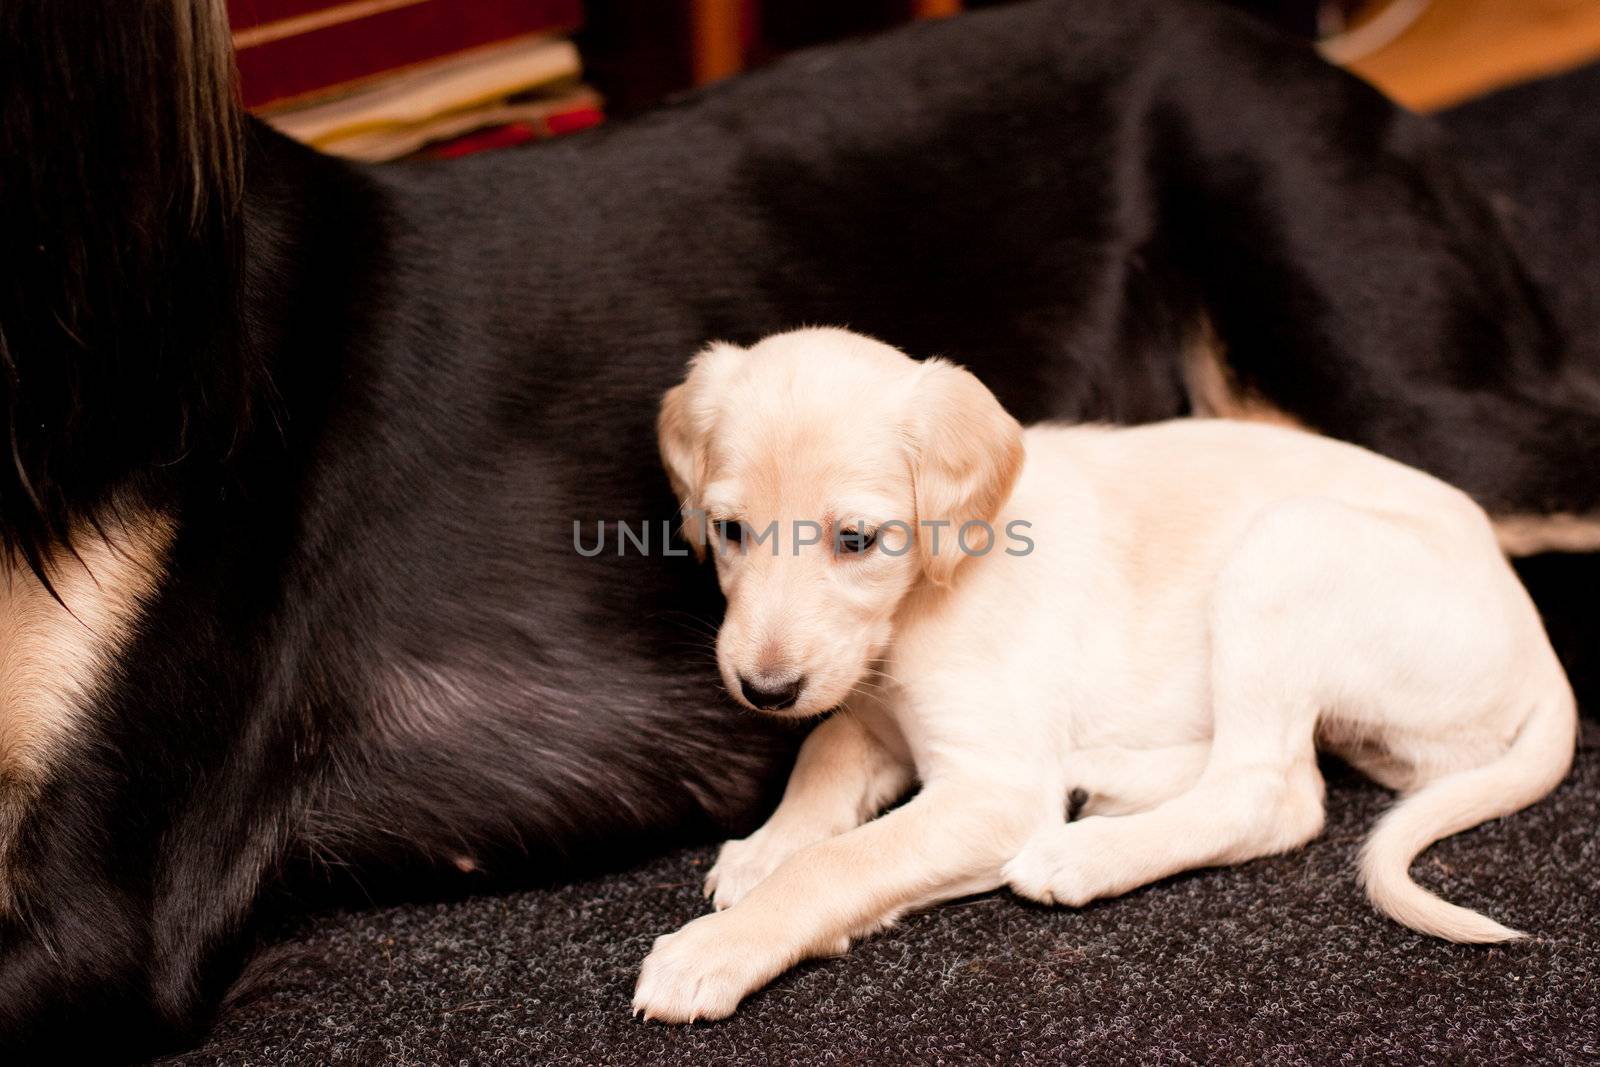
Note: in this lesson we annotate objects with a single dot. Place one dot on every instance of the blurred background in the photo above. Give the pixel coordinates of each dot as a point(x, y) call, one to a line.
point(386, 79)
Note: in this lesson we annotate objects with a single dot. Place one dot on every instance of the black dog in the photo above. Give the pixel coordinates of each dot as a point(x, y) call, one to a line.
point(300, 446)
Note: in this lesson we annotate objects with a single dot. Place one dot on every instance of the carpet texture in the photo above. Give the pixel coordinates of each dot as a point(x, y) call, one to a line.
point(1280, 961)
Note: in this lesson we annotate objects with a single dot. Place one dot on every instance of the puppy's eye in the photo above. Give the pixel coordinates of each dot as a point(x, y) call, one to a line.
point(730, 530)
point(856, 540)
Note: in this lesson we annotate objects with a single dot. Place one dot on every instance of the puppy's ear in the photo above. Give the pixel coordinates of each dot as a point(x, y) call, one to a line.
point(966, 455)
point(683, 432)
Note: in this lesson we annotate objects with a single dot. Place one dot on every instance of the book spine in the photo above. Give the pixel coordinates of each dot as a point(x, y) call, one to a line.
point(316, 47)
point(244, 14)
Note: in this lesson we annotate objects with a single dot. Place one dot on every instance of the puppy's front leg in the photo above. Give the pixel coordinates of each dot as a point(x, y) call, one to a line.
point(947, 842)
point(842, 777)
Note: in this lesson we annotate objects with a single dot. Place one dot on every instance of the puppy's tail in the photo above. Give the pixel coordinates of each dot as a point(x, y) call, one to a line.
point(1534, 764)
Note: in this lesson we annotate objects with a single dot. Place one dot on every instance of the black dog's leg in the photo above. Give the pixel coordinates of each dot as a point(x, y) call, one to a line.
point(126, 927)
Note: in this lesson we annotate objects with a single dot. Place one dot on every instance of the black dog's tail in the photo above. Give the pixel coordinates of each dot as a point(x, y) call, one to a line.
point(121, 167)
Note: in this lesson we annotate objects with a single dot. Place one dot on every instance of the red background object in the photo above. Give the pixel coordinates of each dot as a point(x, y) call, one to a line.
point(374, 41)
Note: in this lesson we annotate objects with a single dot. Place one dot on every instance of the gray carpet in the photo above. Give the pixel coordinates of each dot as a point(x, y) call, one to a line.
point(1280, 961)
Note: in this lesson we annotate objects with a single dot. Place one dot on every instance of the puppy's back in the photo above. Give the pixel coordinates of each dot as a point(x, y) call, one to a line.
point(1185, 469)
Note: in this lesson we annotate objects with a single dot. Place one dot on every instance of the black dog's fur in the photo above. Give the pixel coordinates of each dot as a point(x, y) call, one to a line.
point(375, 401)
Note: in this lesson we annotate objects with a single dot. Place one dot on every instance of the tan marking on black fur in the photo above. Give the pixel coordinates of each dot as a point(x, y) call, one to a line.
point(53, 661)
point(1214, 391)
point(1529, 535)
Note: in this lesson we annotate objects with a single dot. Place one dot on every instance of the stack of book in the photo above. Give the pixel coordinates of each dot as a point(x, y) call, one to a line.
point(380, 79)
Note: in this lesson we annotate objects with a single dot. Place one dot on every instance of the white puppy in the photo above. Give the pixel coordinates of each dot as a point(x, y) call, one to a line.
point(1170, 619)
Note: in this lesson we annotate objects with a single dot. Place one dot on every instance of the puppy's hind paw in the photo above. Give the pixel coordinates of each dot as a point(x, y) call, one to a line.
point(1065, 865)
point(1032, 874)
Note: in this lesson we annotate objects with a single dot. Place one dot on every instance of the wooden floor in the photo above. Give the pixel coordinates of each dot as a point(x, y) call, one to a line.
point(1462, 48)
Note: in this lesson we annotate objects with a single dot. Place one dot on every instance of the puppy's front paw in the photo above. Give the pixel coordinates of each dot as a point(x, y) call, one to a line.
point(1071, 864)
point(744, 864)
point(701, 972)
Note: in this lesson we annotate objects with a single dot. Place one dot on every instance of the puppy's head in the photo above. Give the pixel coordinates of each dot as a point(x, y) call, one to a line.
point(827, 474)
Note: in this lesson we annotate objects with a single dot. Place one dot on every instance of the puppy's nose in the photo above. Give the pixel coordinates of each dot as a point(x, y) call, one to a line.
point(771, 697)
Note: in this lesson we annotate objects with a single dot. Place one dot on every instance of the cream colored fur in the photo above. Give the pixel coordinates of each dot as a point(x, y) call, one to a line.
point(1205, 603)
